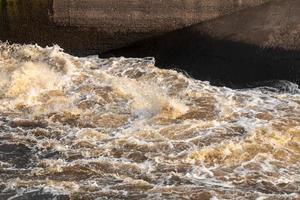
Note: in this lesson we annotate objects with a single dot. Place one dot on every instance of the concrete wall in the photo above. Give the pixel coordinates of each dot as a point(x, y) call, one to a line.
point(85, 27)
point(275, 25)
point(143, 15)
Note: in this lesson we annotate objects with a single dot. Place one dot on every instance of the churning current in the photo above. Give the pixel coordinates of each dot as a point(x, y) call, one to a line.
point(121, 128)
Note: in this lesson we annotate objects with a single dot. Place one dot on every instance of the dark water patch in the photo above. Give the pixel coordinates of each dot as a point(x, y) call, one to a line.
point(222, 62)
point(37, 194)
point(15, 154)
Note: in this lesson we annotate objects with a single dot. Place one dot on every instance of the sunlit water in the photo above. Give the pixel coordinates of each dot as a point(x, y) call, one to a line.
point(120, 128)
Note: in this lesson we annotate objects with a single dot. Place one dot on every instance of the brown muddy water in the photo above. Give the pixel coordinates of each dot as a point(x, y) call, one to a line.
point(121, 128)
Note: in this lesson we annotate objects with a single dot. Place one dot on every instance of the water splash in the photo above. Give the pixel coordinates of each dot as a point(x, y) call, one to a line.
point(87, 128)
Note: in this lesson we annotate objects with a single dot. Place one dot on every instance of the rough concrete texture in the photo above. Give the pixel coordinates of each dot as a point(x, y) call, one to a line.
point(143, 15)
point(276, 24)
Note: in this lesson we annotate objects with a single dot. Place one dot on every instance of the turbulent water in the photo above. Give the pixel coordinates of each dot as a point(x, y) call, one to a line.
point(120, 128)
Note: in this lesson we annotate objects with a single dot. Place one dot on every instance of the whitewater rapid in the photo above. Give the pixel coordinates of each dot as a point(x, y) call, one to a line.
point(121, 128)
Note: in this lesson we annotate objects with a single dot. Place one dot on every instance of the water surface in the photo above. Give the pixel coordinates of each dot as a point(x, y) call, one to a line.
point(121, 128)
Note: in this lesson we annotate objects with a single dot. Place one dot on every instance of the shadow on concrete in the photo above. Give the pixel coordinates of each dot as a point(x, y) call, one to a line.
point(253, 45)
point(223, 62)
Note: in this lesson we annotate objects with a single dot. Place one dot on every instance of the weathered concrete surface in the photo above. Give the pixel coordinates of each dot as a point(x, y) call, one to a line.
point(134, 20)
point(143, 15)
point(276, 25)
point(86, 27)
point(121, 22)
point(256, 44)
